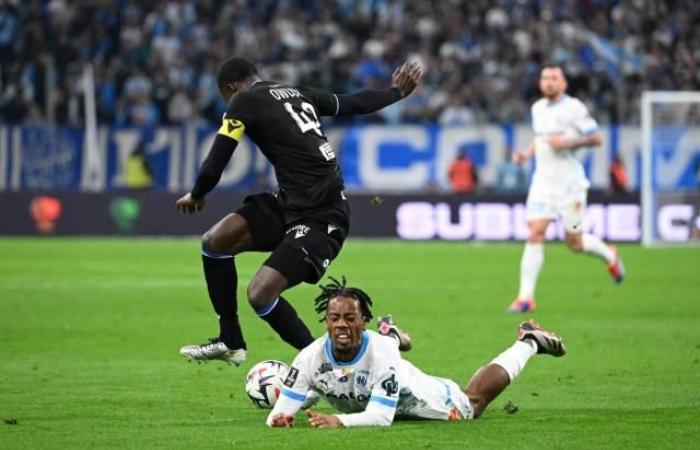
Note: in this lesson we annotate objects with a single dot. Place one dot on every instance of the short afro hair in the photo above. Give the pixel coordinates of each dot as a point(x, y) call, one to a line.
point(235, 69)
point(340, 289)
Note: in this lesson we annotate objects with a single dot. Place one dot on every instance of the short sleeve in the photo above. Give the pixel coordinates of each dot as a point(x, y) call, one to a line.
point(583, 121)
point(297, 382)
point(326, 103)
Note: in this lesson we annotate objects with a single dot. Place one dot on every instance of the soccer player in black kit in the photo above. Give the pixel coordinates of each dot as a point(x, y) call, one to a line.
point(304, 224)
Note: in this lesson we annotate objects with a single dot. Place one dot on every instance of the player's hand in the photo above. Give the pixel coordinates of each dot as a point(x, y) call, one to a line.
point(283, 420)
point(556, 142)
point(188, 205)
point(406, 77)
point(320, 420)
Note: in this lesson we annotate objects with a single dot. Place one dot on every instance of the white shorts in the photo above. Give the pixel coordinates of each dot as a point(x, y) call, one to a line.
point(570, 206)
point(460, 401)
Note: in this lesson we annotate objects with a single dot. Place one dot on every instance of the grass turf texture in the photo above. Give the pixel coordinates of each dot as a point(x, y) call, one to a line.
point(90, 331)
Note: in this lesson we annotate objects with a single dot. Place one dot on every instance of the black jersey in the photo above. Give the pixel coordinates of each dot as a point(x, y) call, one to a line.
point(283, 121)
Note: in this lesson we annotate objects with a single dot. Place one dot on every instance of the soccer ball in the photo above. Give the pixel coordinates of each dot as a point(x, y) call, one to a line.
point(264, 381)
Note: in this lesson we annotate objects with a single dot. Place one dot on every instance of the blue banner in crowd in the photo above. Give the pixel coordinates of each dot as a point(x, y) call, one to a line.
point(373, 158)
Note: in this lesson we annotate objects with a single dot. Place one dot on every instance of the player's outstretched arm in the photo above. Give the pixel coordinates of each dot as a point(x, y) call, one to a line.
point(404, 81)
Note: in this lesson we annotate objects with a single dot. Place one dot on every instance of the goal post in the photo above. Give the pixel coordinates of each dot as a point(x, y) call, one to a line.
point(670, 151)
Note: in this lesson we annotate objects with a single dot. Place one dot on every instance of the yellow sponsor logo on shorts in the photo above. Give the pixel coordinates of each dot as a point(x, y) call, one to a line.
point(232, 128)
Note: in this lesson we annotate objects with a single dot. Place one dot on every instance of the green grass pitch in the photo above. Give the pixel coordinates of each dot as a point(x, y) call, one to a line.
point(90, 331)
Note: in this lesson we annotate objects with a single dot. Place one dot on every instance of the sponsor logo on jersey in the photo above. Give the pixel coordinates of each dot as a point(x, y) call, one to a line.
point(291, 377)
point(390, 385)
point(362, 398)
point(325, 367)
point(327, 151)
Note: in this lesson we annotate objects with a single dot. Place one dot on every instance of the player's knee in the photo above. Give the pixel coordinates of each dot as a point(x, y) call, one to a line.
point(259, 294)
point(210, 242)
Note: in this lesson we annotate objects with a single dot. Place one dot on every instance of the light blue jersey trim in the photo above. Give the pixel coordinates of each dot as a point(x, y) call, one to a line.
point(360, 354)
point(293, 395)
point(384, 401)
point(590, 130)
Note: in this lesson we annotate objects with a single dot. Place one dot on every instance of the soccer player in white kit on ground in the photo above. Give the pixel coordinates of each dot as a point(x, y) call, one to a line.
point(362, 374)
point(559, 186)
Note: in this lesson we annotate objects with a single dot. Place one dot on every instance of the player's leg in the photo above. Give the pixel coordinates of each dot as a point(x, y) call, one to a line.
point(302, 256)
point(572, 215)
point(264, 295)
point(531, 264)
point(254, 226)
point(489, 381)
point(539, 212)
point(229, 237)
point(220, 244)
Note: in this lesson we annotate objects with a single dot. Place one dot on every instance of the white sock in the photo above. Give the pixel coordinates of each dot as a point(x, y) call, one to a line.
point(530, 266)
point(513, 360)
point(593, 245)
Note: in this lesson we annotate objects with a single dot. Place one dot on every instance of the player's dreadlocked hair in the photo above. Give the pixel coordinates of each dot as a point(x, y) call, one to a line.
point(235, 69)
point(339, 289)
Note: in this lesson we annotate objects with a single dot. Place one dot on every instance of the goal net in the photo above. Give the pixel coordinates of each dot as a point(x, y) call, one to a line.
point(670, 178)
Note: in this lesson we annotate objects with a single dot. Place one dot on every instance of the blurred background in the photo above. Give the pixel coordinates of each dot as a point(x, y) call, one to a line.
point(108, 107)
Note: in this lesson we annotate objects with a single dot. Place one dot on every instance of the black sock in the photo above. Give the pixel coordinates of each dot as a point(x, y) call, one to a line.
point(283, 318)
point(222, 282)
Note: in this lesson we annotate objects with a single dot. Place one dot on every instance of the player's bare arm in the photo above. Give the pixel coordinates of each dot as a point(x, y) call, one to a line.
point(320, 420)
point(558, 142)
point(523, 155)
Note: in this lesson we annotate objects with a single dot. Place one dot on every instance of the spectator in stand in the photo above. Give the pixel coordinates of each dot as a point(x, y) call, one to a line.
point(618, 176)
point(511, 177)
point(462, 174)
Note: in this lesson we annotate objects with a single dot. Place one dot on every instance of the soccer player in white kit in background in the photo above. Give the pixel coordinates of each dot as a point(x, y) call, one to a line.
point(559, 186)
point(362, 374)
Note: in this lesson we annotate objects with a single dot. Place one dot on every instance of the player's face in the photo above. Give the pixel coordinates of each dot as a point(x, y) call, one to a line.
point(552, 82)
point(345, 323)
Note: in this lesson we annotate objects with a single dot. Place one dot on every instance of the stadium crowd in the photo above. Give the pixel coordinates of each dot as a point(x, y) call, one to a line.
point(155, 61)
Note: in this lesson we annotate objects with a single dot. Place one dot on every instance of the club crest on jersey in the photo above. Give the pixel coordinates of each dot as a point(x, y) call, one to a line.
point(291, 377)
point(361, 378)
point(299, 231)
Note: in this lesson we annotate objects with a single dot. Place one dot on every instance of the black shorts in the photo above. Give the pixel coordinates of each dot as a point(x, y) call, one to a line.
point(301, 250)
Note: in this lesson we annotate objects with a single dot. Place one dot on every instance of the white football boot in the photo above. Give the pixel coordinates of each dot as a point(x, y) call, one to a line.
point(214, 349)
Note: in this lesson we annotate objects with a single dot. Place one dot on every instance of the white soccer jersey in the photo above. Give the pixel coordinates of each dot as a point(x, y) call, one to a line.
point(372, 388)
point(567, 117)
